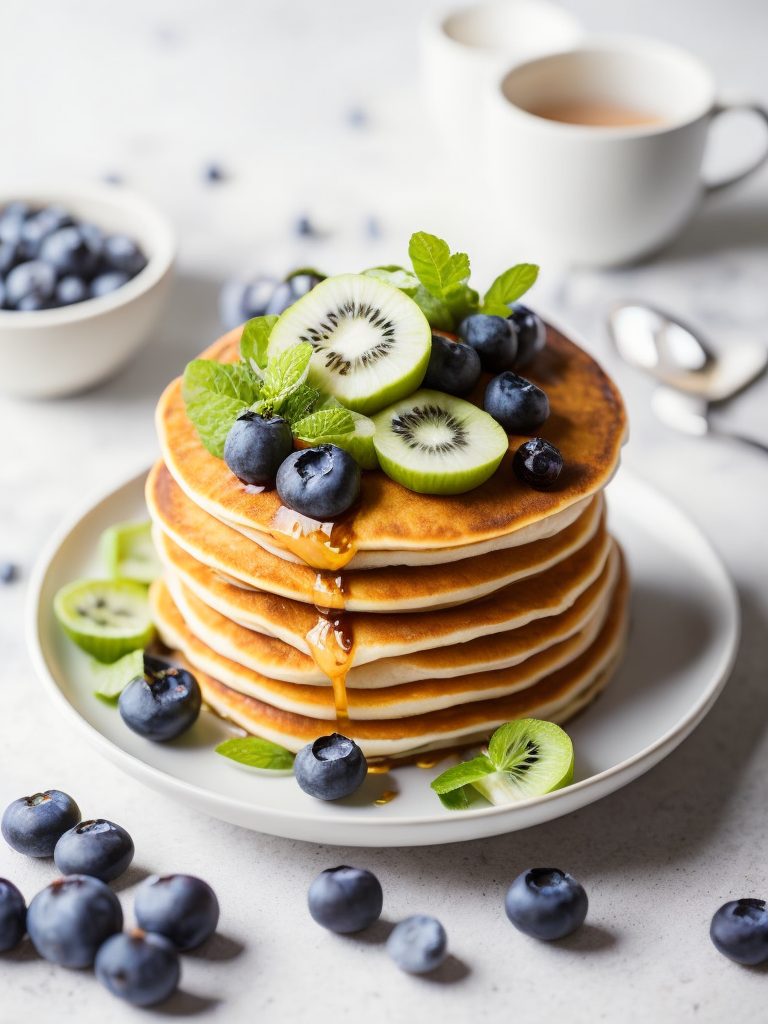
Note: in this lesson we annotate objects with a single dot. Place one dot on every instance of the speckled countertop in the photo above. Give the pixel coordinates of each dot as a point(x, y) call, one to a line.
point(154, 92)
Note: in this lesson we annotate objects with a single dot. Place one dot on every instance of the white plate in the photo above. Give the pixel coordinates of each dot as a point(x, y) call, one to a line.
point(682, 643)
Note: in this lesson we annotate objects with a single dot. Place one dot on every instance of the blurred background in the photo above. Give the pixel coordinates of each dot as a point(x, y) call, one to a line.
point(278, 134)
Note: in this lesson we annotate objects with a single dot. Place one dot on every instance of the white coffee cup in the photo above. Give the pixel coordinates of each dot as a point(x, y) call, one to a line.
point(466, 52)
point(594, 195)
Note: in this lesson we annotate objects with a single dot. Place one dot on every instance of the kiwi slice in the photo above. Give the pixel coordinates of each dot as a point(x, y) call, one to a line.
point(107, 618)
point(128, 552)
point(437, 444)
point(360, 443)
point(531, 757)
point(371, 341)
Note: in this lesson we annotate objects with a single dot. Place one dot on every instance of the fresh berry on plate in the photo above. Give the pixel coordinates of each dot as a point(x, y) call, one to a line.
point(345, 899)
point(434, 443)
point(161, 704)
point(97, 848)
point(243, 300)
point(739, 930)
point(537, 463)
point(418, 944)
point(493, 337)
point(70, 919)
point(531, 333)
point(256, 446)
point(32, 825)
point(453, 367)
point(181, 907)
point(321, 482)
point(517, 404)
point(331, 767)
point(290, 291)
point(141, 968)
point(13, 916)
point(546, 903)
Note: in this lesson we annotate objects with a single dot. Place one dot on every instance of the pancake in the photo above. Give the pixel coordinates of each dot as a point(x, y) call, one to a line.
point(557, 696)
point(386, 636)
point(271, 657)
point(398, 701)
point(587, 424)
point(389, 589)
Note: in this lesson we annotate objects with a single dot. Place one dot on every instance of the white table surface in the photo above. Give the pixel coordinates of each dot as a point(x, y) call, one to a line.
point(153, 90)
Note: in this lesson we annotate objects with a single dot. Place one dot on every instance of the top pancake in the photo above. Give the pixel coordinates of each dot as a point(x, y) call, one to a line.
point(587, 423)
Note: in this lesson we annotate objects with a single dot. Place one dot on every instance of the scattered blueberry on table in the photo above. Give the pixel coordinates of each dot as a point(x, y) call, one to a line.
point(345, 899)
point(143, 969)
point(739, 930)
point(161, 704)
point(214, 173)
point(98, 848)
point(13, 916)
point(546, 903)
point(181, 907)
point(70, 919)
point(418, 944)
point(32, 825)
point(330, 768)
point(8, 571)
point(49, 259)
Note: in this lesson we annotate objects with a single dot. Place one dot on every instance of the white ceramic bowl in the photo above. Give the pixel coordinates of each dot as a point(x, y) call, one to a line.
point(54, 352)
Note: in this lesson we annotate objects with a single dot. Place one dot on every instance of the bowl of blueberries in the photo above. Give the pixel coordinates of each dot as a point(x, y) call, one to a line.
point(84, 273)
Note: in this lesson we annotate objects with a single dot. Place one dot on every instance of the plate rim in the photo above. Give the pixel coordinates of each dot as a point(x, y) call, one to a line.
point(609, 780)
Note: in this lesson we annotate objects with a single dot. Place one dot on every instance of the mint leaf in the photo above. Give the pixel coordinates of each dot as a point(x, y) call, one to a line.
point(456, 800)
point(462, 301)
point(462, 774)
point(253, 341)
point(256, 753)
point(434, 265)
point(398, 277)
point(112, 679)
point(436, 311)
point(287, 372)
point(299, 403)
point(508, 287)
point(216, 394)
point(323, 424)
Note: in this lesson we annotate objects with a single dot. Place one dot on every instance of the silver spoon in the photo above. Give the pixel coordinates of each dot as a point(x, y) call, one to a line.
point(690, 414)
point(650, 339)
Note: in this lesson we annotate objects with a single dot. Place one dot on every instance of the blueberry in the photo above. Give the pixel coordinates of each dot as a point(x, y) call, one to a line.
point(141, 968)
point(32, 825)
point(69, 252)
point(13, 916)
point(418, 944)
point(163, 703)
point(454, 368)
point(34, 280)
point(181, 907)
point(537, 463)
point(70, 919)
point(285, 294)
point(11, 220)
point(494, 338)
point(321, 482)
point(122, 253)
point(255, 447)
point(97, 848)
point(36, 229)
point(8, 257)
point(519, 406)
point(305, 227)
point(242, 300)
point(546, 903)
point(739, 931)
point(104, 284)
point(71, 289)
point(345, 899)
point(2, 293)
point(214, 173)
point(531, 333)
point(357, 117)
point(330, 768)
point(8, 572)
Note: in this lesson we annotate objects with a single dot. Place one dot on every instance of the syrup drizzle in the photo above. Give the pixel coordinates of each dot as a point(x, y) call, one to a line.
point(327, 547)
point(386, 797)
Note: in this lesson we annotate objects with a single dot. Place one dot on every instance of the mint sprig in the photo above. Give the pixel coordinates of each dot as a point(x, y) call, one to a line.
point(254, 340)
point(256, 753)
point(112, 679)
point(216, 394)
point(324, 424)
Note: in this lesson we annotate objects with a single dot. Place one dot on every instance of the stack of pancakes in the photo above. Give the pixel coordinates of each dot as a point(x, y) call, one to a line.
point(419, 622)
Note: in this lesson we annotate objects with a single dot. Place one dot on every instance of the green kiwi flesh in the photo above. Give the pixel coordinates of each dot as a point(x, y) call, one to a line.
point(371, 342)
point(107, 618)
point(532, 757)
point(437, 444)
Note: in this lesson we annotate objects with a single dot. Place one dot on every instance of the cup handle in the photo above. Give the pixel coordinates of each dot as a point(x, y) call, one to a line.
point(724, 108)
